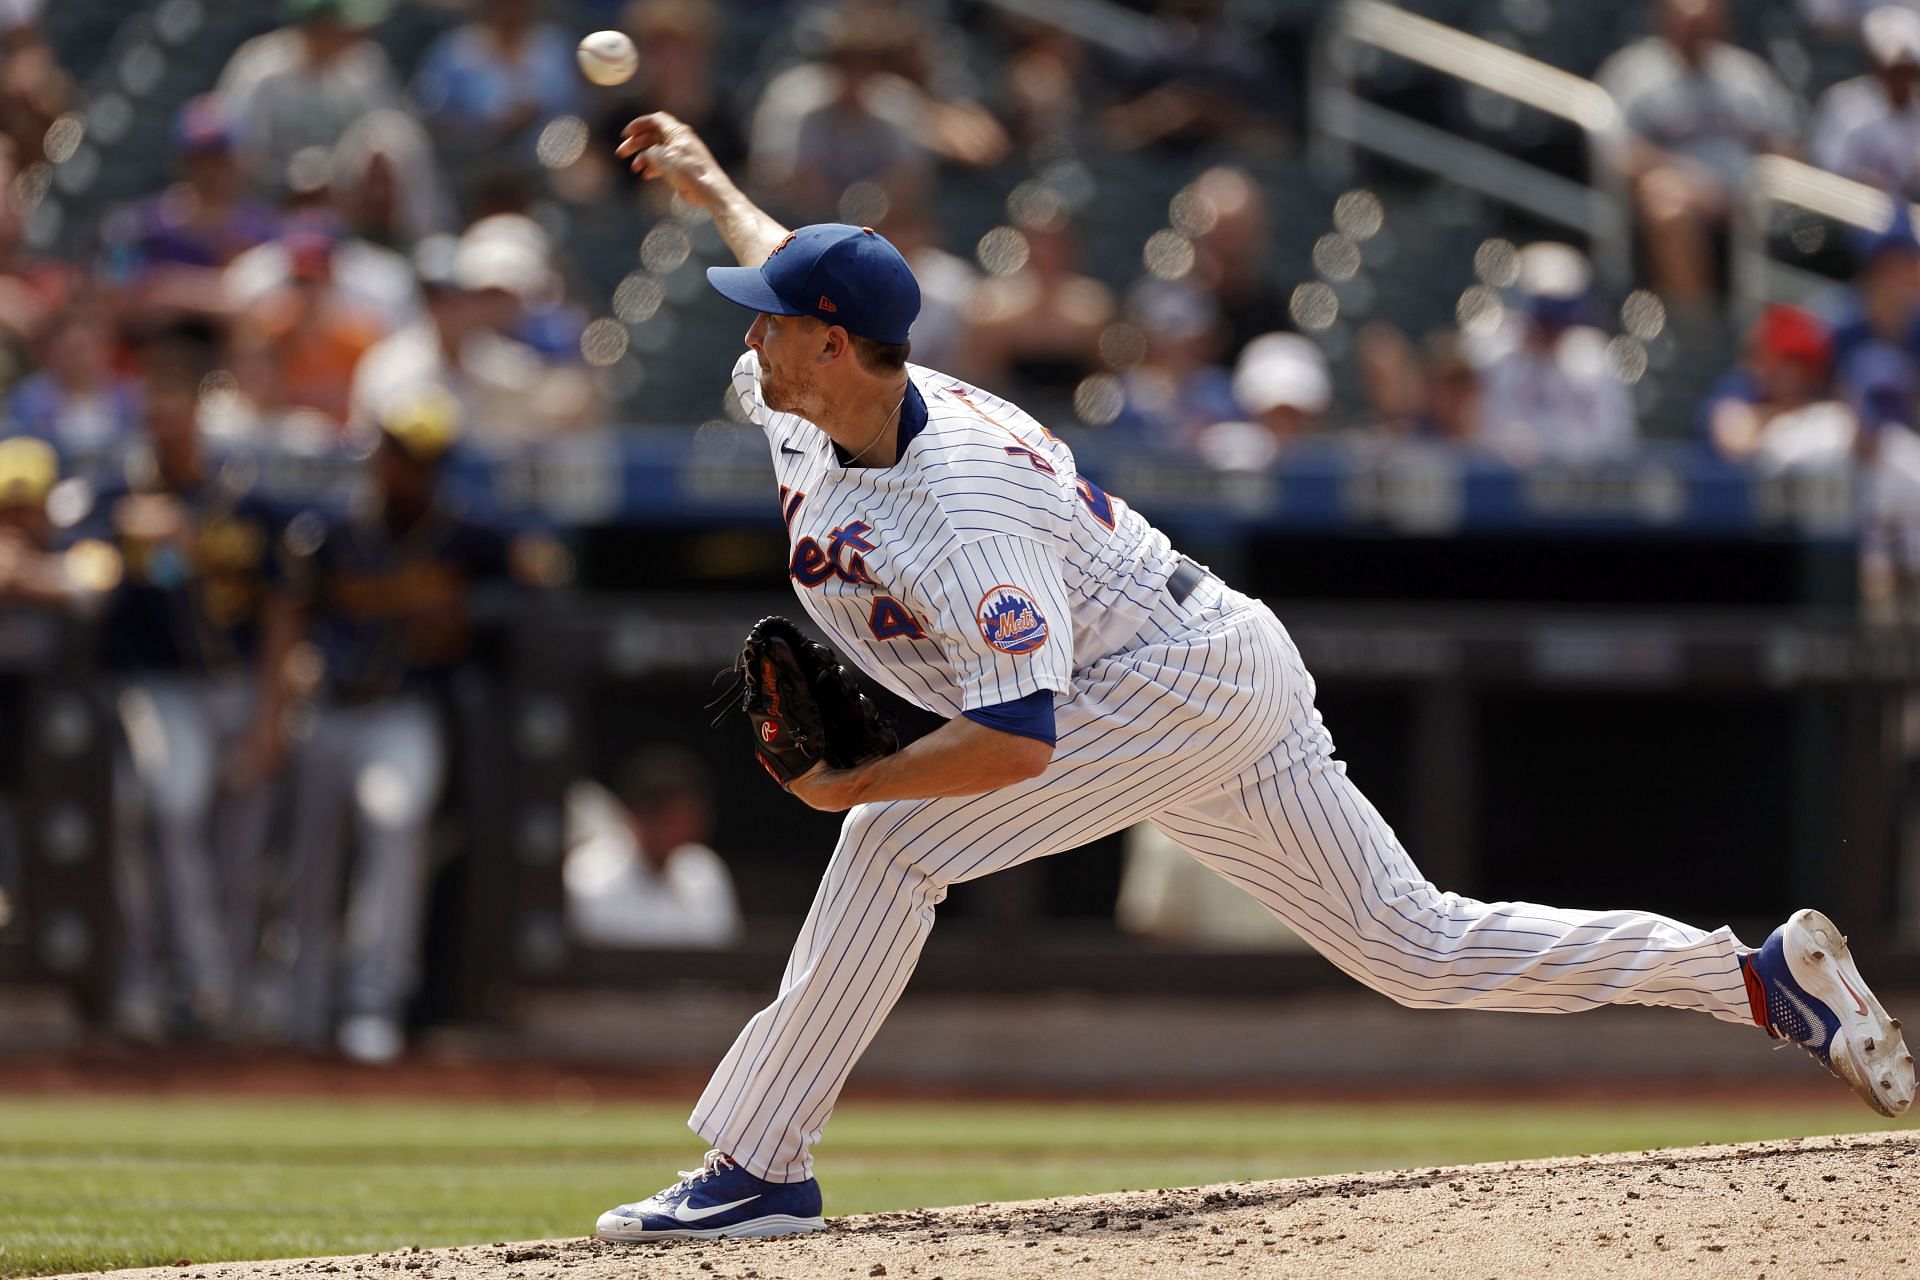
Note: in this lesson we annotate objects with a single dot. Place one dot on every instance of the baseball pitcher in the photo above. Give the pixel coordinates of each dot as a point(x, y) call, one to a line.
point(1092, 677)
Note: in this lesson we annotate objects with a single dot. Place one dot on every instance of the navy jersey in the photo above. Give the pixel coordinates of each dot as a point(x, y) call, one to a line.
point(190, 603)
point(391, 609)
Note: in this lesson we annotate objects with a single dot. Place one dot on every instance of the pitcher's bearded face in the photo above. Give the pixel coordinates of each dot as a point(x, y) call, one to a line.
point(787, 348)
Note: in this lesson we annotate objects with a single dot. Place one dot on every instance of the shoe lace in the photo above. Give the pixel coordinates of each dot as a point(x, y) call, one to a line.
point(713, 1162)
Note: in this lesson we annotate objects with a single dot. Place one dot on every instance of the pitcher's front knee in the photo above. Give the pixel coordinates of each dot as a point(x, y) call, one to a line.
point(1405, 947)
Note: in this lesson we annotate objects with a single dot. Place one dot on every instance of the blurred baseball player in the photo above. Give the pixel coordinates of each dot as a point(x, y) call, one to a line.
point(37, 576)
point(386, 600)
point(1094, 678)
point(182, 635)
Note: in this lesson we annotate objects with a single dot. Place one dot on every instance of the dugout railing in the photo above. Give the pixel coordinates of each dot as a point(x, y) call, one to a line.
point(1344, 119)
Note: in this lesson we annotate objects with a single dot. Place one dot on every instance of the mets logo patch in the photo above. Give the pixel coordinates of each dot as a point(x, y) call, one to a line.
point(1010, 621)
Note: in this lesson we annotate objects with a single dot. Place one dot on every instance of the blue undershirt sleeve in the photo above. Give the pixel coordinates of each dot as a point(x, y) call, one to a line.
point(1030, 717)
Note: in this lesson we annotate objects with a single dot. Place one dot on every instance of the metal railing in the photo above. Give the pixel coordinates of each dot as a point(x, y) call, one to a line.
point(1776, 182)
point(1100, 23)
point(1343, 120)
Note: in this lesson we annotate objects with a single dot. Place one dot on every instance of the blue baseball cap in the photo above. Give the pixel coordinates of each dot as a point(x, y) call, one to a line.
point(845, 275)
point(1896, 237)
point(203, 124)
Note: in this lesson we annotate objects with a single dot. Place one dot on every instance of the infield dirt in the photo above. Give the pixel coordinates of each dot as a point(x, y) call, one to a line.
point(1802, 1207)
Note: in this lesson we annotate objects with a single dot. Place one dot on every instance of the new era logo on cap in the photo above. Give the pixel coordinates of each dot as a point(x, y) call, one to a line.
point(850, 276)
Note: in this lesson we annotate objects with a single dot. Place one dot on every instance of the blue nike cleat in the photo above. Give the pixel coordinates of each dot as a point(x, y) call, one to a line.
point(719, 1199)
point(1804, 988)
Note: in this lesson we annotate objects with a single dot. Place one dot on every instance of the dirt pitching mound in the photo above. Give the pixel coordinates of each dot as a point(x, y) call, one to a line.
point(1810, 1206)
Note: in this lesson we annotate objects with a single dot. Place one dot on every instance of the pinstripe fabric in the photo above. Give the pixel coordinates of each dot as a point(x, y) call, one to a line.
point(1198, 716)
point(983, 497)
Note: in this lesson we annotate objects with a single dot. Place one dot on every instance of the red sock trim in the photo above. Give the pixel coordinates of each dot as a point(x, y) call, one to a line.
point(1756, 996)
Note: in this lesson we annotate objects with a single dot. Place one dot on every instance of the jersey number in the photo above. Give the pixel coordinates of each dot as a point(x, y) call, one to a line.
point(890, 620)
point(1095, 498)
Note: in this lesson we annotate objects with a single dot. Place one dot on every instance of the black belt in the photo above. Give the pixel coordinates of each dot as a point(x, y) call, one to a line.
point(1185, 577)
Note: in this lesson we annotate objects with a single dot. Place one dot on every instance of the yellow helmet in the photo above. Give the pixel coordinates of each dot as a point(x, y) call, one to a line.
point(28, 469)
point(425, 423)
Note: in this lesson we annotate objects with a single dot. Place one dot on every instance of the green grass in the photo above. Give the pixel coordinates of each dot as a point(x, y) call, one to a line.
point(89, 1184)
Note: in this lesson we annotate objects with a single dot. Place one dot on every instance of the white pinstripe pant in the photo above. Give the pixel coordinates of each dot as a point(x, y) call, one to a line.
point(1207, 729)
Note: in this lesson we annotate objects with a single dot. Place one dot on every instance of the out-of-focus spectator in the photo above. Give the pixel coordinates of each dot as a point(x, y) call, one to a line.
point(167, 253)
point(1424, 396)
point(364, 277)
point(1868, 128)
point(181, 637)
point(1390, 381)
point(1203, 80)
point(1547, 393)
point(34, 575)
point(862, 114)
point(1282, 385)
point(851, 117)
point(33, 289)
point(34, 89)
point(478, 292)
point(77, 402)
point(492, 84)
point(1785, 369)
point(304, 84)
point(1451, 387)
point(1870, 440)
point(1883, 303)
point(387, 600)
point(1840, 19)
point(303, 340)
point(33, 570)
point(941, 338)
point(1178, 388)
point(1698, 109)
point(1041, 90)
point(675, 39)
point(1232, 257)
point(1040, 325)
point(28, 470)
point(640, 870)
point(387, 184)
point(1881, 387)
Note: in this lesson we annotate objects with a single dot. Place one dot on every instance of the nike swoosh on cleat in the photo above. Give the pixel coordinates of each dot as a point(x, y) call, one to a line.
point(1859, 1004)
point(1818, 1039)
point(684, 1214)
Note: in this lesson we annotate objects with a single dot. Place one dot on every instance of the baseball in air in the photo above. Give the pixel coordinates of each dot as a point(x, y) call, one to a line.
point(608, 57)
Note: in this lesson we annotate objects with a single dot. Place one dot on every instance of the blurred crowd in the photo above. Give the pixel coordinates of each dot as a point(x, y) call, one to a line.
point(381, 260)
point(338, 229)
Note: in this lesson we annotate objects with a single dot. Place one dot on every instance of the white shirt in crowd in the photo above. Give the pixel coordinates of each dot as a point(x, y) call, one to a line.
point(1717, 115)
point(1561, 405)
point(507, 392)
point(1819, 440)
point(365, 277)
point(1858, 133)
point(615, 898)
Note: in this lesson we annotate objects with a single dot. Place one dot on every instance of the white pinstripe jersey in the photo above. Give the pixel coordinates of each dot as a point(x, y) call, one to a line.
point(979, 568)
